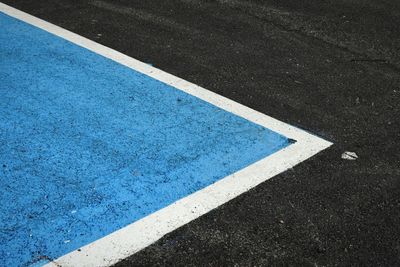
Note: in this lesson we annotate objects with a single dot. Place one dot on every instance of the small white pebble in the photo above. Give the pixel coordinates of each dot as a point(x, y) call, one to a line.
point(66, 241)
point(73, 211)
point(349, 155)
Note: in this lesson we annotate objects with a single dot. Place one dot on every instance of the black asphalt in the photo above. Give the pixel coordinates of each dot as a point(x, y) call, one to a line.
point(330, 67)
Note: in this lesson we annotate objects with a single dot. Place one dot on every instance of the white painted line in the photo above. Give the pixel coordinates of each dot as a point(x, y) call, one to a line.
point(136, 236)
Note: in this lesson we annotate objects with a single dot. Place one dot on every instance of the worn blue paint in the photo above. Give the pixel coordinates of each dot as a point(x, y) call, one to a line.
point(88, 146)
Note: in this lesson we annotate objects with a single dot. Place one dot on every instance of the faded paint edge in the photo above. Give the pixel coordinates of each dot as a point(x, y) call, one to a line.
point(120, 244)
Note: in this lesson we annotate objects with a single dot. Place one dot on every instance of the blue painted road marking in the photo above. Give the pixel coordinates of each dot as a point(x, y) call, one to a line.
point(88, 146)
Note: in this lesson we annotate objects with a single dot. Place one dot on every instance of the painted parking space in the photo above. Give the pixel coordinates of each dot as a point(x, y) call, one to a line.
point(90, 146)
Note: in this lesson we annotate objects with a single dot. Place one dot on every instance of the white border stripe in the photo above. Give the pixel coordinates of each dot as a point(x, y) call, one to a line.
point(138, 235)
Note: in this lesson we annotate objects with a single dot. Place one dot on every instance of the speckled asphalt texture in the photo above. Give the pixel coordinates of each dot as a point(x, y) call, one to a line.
point(330, 67)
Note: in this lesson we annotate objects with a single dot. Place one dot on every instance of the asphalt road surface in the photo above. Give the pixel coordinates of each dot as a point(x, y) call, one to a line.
point(329, 67)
